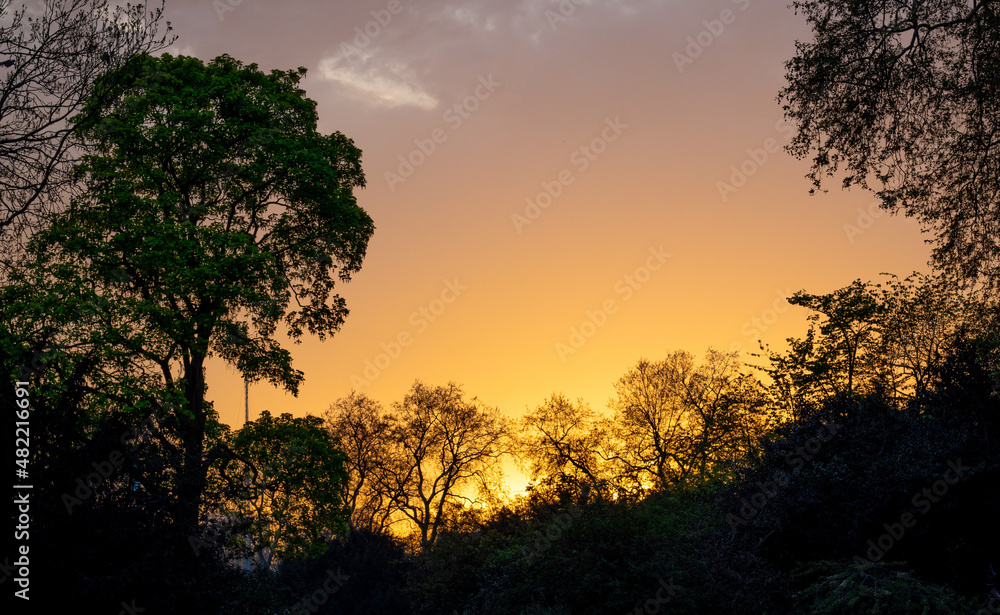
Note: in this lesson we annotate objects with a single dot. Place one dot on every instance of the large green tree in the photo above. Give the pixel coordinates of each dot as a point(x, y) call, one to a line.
point(213, 213)
point(903, 97)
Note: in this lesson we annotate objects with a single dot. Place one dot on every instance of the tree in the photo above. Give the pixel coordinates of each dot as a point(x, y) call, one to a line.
point(295, 483)
point(676, 422)
point(563, 441)
point(924, 315)
point(838, 353)
point(904, 96)
point(48, 65)
point(866, 337)
point(364, 433)
point(211, 203)
point(447, 444)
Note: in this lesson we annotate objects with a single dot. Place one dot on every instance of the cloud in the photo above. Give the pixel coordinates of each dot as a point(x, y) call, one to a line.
point(413, 58)
point(378, 81)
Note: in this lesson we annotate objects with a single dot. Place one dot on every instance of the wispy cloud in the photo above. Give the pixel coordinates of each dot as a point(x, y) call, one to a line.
point(376, 80)
point(409, 58)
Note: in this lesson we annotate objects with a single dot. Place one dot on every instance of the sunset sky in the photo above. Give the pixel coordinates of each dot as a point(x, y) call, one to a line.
point(535, 166)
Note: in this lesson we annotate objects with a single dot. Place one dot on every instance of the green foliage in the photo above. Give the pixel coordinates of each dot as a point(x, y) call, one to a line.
point(211, 213)
point(835, 588)
point(370, 572)
point(211, 204)
point(603, 557)
point(294, 484)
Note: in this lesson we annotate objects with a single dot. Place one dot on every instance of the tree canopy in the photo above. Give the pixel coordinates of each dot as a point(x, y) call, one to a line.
point(213, 212)
point(209, 216)
point(365, 433)
point(295, 480)
point(676, 421)
point(887, 337)
point(903, 98)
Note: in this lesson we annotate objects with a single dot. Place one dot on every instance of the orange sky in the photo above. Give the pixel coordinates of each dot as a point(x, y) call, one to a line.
point(622, 117)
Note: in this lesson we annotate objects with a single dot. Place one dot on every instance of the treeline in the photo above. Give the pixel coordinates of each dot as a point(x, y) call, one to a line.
point(162, 210)
point(855, 471)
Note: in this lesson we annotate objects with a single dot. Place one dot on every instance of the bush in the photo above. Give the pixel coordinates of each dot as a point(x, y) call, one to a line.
point(836, 588)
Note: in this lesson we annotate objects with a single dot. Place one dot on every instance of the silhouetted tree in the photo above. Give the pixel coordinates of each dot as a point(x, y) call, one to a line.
point(563, 441)
point(365, 433)
point(903, 97)
point(867, 337)
point(49, 61)
point(677, 422)
point(446, 445)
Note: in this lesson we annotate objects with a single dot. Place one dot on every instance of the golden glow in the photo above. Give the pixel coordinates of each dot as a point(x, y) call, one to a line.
point(454, 287)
